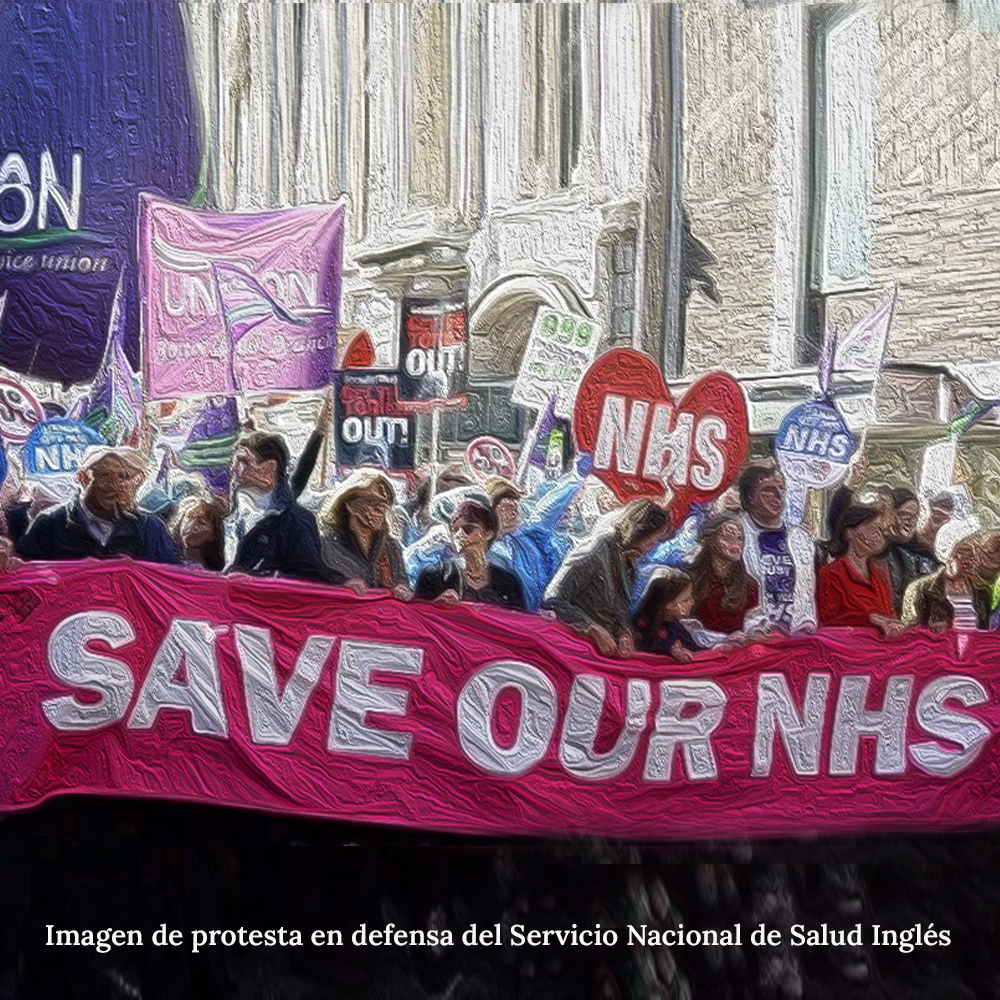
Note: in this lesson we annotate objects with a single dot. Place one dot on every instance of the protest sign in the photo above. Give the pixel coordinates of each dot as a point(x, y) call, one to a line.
point(645, 445)
point(20, 412)
point(486, 456)
point(937, 467)
point(561, 348)
point(372, 427)
point(136, 680)
point(55, 447)
point(238, 301)
point(813, 448)
point(98, 104)
point(433, 349)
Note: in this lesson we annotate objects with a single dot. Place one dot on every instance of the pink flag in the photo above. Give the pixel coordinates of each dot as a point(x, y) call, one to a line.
point(235, 302)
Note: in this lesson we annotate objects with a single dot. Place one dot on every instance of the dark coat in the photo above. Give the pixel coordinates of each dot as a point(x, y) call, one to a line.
point(593, 587)
point(905, 564)
point(283, 543)
point(61, 533)
point(347, 562)
point(503, 588)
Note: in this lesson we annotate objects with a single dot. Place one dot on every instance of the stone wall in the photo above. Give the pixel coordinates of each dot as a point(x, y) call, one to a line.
point(936, 216)
point(730, 134)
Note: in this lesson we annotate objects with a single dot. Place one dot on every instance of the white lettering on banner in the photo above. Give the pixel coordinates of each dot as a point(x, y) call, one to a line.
point(355, 696)
point(691, 732)
point(71, 661)
point(689, 711)
point(435, 361)
point(193, 292)
point(14, 177)
point(801, 734)
point(887, 726)
point(273, 716)
point(668, 451)
point(373, 430)
point(583, 716)
point(190, 644)
point(957, 727)
point(613, 438)
point(536, 724)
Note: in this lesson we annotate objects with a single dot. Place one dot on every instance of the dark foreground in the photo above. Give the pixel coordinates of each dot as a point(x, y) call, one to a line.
point(85, 863)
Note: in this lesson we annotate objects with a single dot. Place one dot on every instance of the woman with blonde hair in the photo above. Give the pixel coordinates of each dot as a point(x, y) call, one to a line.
point(358, 548)
point(592, 589)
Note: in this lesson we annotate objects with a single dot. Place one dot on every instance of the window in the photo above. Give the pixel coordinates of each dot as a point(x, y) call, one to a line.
point(552, 96)
point(842, 161)
point(490, 411)
point(622, 297)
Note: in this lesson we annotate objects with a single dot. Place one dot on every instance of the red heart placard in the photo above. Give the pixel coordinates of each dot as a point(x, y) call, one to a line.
point(644, 445)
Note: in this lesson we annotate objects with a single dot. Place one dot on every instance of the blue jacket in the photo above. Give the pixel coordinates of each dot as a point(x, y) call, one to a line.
point(61, 533)
point(534, 550)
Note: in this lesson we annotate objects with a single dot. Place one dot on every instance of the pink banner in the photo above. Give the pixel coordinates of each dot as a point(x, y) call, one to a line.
point(238, 301)
point(141, 681)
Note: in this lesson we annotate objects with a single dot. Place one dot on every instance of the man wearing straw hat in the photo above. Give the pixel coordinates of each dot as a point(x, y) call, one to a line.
point(102, 520)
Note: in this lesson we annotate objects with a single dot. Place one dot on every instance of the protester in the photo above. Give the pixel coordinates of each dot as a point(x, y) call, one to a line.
point(436, 545)
point(532, 547)
point(722, 592)
point(988, 573)
point(298, 480)
point(9, 561)
point(779, 557)
point(102, 520)
point(196, 528)
point(471, 576)
point(357, 545)
point(267, 533)
point(953, 596)
point(660, 621)
point(940, 512)
point(854, 589)
point(904, 558)
point(591, 591)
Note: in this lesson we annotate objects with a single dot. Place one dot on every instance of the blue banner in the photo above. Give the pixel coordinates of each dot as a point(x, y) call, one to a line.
point(97, 106)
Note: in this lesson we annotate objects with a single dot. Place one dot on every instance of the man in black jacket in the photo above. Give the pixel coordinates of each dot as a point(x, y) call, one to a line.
point(102, 521)
point(267, 532)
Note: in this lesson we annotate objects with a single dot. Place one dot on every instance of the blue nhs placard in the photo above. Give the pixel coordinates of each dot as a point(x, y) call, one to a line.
point(55, 447)
point(816, 430)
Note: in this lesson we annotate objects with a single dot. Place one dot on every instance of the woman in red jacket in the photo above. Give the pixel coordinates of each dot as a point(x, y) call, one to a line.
point(852, 589)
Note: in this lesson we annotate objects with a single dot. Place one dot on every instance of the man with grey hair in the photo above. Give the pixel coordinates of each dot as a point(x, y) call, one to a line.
point(102, 520)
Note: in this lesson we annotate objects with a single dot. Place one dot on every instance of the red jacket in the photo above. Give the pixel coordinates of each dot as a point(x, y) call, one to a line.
point(844, 598)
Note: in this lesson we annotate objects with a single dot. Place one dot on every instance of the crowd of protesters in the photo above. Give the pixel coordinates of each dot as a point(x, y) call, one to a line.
point(623, 576)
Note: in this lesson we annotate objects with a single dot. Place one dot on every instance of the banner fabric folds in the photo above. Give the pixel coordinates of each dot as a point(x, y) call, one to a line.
point(142, 681)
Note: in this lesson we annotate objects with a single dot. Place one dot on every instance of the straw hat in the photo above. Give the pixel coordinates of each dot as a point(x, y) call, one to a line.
point(361, 482)
point(497, 488)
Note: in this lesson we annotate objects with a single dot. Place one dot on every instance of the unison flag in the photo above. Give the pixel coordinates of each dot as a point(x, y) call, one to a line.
point(238, 302)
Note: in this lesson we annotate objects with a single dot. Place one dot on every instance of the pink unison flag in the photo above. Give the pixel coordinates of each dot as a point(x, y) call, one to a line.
point(128, 679)
point(234, 301)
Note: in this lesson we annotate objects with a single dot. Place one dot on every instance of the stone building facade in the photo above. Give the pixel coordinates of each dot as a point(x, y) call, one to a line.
point(525, 154)
point(508, 153)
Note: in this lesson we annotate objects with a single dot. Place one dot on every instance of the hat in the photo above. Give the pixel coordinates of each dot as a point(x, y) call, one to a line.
point(128, 457)
point(951, 535)
point(497, 488)
point(361, 482)
point(944, 500)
